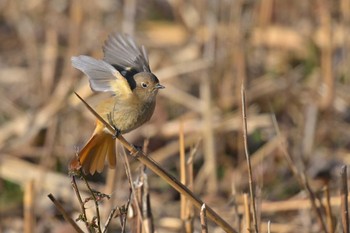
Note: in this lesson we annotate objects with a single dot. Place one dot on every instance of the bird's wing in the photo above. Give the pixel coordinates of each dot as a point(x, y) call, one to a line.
point(122, 51)
point(102, 76)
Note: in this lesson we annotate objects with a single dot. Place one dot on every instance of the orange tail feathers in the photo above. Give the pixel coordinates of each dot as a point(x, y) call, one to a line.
point(92, 157)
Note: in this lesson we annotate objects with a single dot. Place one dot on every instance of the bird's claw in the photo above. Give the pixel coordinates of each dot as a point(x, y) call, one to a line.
point(117, 132)
point(136, 150)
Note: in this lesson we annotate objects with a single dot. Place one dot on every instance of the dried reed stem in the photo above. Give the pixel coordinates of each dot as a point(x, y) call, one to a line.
point(209, 145)
point(189, 169)
point(265, 13)
point(185, 208)
point(344, 200)
point(146, 205)
point(328, 85)
point(109, 188)
point(132, 190)
point(65, 214)
point(250, 175)
point(186, 178)
point(29, 214)
point(210, 164)
point(182, 171)
point(246, 212)
point(301, 178)
point(124, 212)
point(329, 210)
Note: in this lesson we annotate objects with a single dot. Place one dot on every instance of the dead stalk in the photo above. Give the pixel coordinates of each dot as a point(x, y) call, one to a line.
point(250, 175)
point(344, 200)
point(329, 210)
point(65, 214)
point(301, 178)
point(81, 204)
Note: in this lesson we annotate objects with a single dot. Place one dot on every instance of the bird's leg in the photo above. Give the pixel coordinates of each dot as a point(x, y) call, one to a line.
point(111, 122)
point(135, 152)
point(137, 147)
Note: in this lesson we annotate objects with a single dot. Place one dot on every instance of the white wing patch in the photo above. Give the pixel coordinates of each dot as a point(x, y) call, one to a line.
point(103, 77)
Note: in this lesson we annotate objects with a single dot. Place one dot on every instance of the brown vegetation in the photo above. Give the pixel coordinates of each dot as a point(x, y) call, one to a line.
point(292, 57)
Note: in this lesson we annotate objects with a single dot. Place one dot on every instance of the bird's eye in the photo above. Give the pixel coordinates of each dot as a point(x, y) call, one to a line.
point(144, 85)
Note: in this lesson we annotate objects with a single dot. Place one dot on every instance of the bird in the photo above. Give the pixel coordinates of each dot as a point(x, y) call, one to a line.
point(124, 72)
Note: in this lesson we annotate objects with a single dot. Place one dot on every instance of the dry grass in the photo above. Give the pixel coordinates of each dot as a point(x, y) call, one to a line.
point(291, 56)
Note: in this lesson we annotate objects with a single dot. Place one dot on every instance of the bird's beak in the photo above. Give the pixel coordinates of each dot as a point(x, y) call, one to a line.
point(159, 86)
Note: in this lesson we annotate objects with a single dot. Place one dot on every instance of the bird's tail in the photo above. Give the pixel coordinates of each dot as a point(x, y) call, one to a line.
point(92, 157)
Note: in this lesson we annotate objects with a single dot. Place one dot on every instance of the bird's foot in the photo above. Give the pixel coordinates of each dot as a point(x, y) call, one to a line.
point(117, 132)
point(137, 149)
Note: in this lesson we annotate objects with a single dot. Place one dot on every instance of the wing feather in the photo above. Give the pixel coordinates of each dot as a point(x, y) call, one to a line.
point(103, 77)
point(122, 50)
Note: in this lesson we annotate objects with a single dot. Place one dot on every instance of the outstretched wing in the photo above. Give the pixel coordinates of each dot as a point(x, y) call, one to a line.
point(103, 77)
point(122, 51)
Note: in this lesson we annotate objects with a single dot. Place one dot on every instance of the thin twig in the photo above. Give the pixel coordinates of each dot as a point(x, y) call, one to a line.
point(301, 178)
point(65, 214)
point(250, 175)
point(125, 212)
point(97, 209)
point(190, 182)
point(329, 210)
point(146, 205)
point(132, 189)
point(137, 200)
point(81, 204)
point(344, 200)
point(109, 219)
point(185, 178)
point(152, 165)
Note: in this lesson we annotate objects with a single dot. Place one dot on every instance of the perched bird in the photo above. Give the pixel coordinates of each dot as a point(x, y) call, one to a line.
point(124, 72)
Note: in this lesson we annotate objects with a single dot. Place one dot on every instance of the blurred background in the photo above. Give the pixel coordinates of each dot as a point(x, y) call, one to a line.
point(291, 56)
